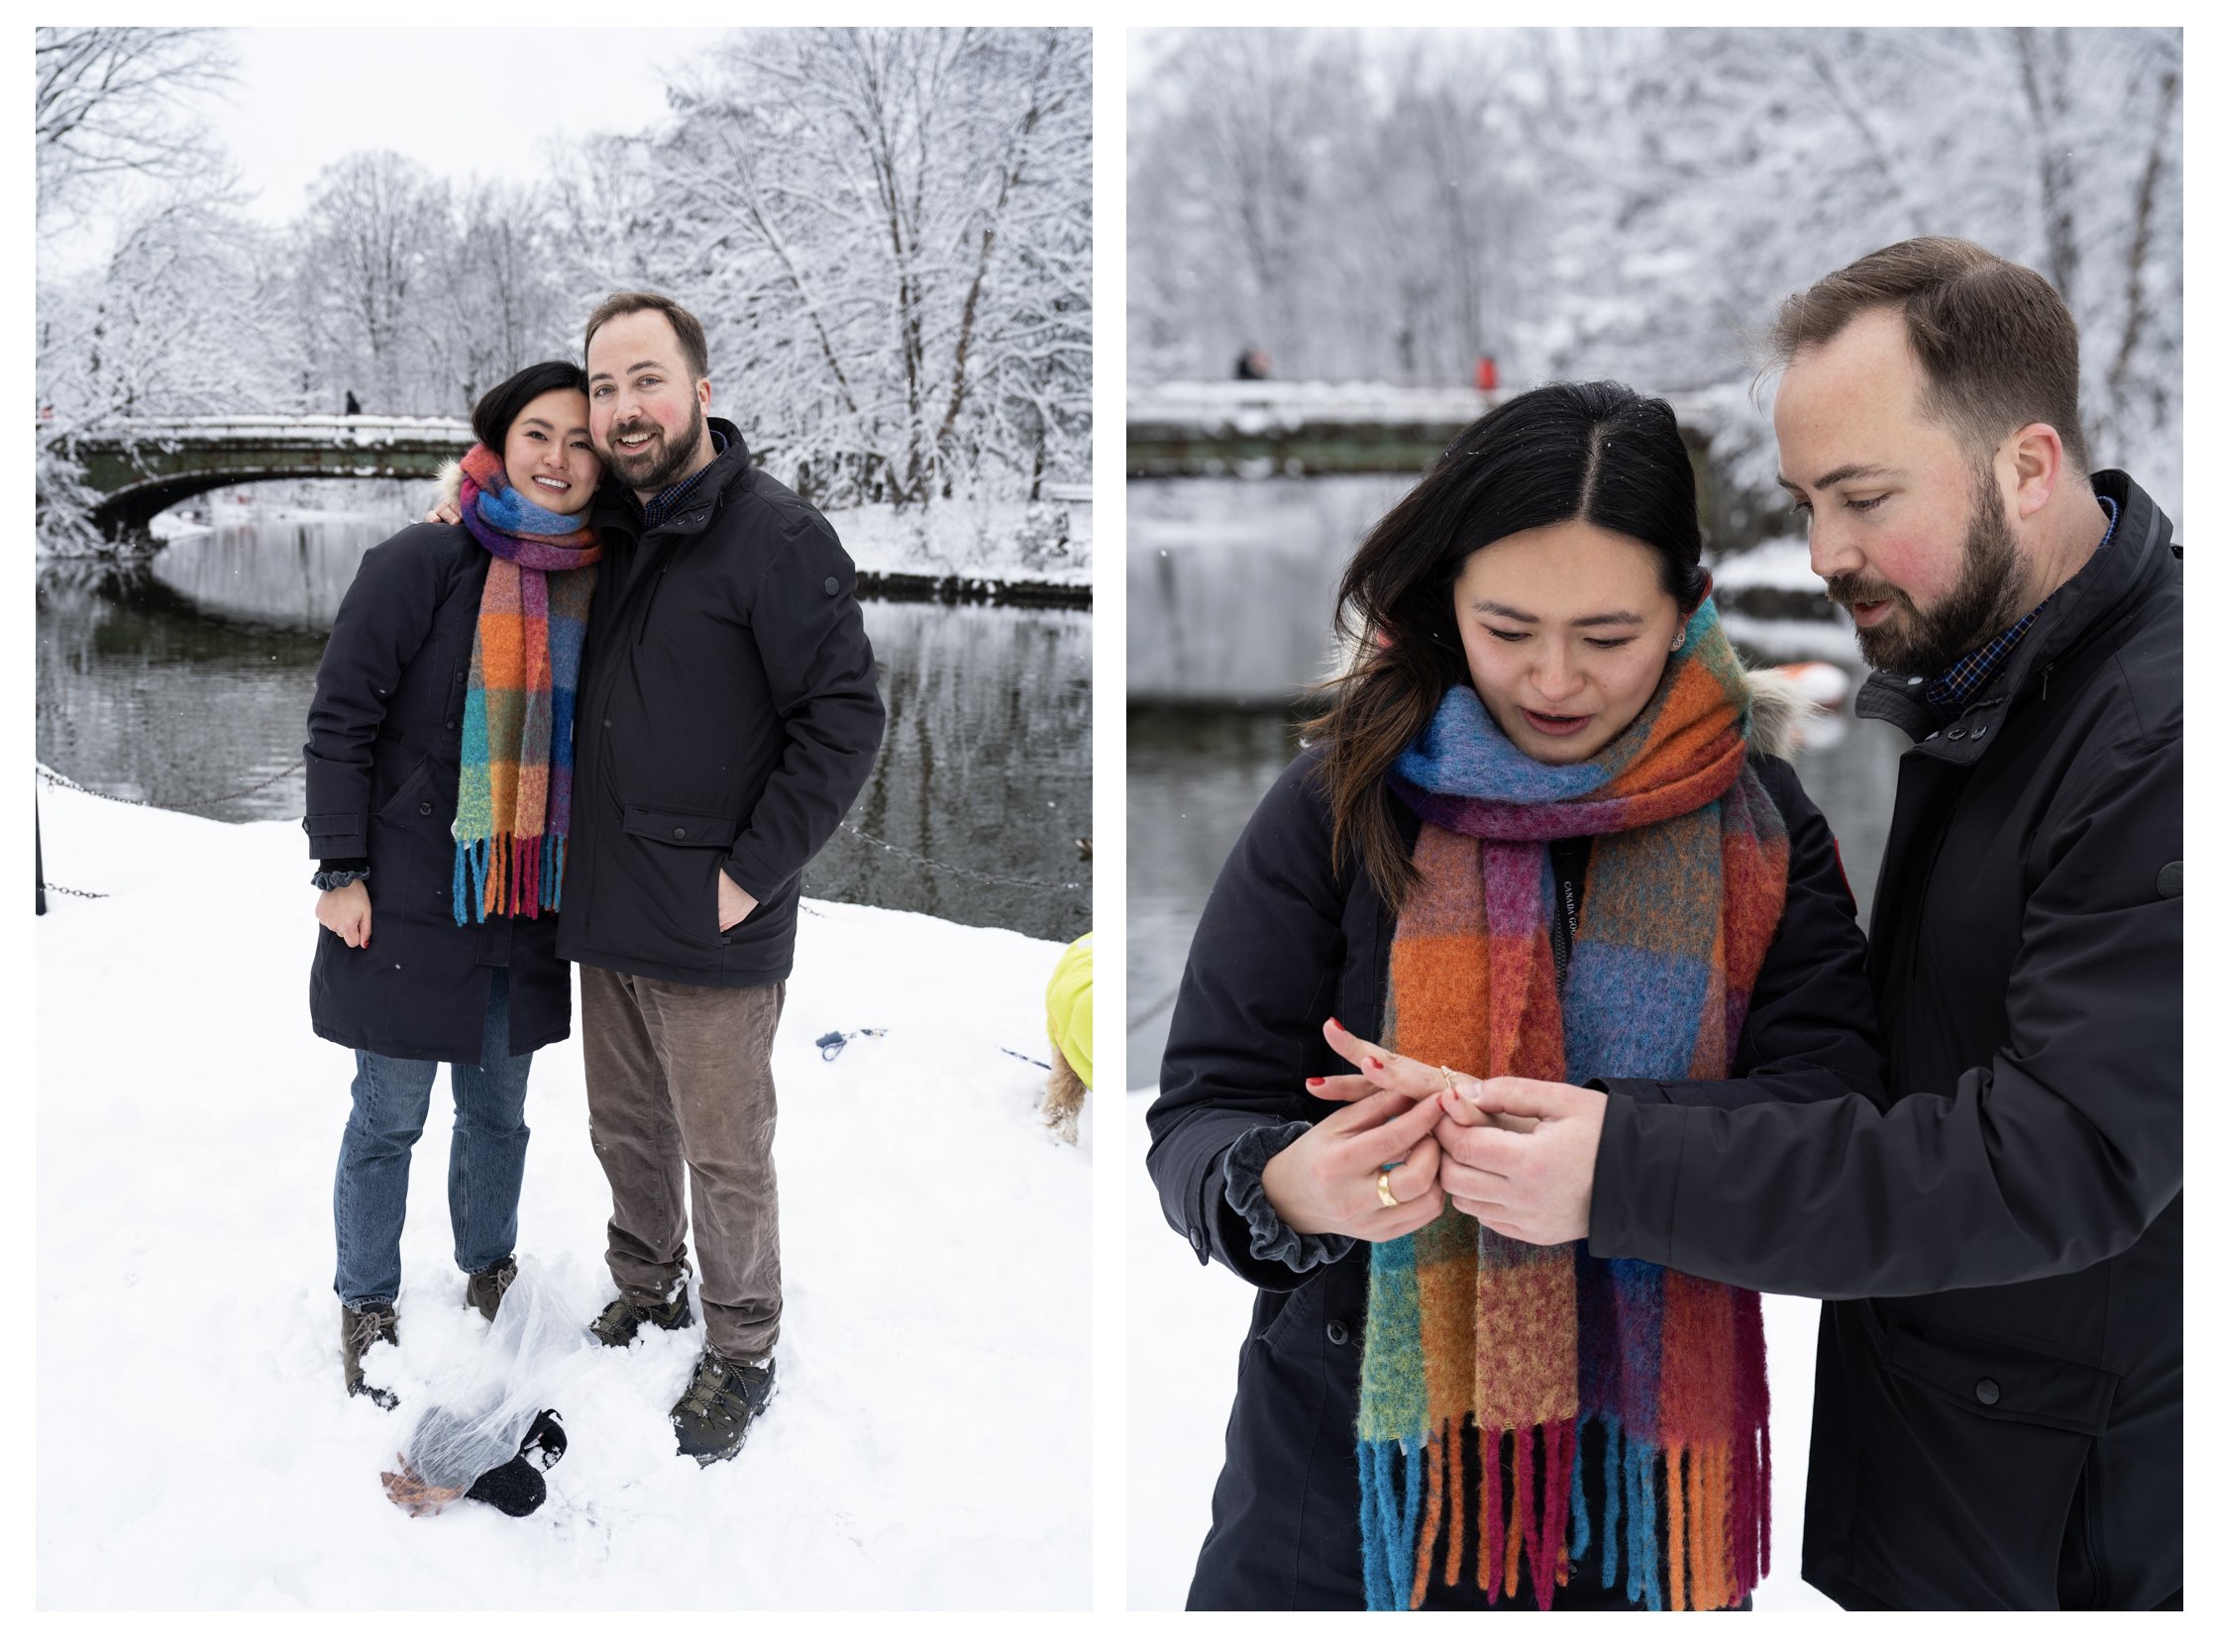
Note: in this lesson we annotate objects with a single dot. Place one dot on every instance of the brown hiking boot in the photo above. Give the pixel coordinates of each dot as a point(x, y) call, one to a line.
point(487, 1288)
point(359, 1329)
point(620, 1320)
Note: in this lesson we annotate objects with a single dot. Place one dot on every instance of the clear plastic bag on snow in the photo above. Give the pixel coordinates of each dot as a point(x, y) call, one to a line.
point(482, 1409)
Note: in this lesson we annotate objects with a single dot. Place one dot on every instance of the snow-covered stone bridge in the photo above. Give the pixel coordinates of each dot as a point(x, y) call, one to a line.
point(141, 467)
point(1270, 428)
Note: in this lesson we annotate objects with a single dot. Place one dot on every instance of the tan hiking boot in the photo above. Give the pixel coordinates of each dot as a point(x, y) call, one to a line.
point(487, 1289)
point(361, 1329)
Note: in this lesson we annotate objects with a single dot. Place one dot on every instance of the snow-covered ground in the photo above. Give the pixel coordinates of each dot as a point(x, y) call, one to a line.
point(1184, 1328)
point(928, 1442)
point(1046, 544)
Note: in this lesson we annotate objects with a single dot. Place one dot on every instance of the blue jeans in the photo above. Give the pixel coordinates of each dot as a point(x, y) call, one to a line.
point(484, 1165)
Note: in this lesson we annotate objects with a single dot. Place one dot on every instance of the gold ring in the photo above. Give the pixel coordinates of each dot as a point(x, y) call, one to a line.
point(1386, 1194)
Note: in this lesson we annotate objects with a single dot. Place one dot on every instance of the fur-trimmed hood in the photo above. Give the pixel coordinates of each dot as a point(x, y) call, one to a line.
point(450, 485)
point(1780, 711)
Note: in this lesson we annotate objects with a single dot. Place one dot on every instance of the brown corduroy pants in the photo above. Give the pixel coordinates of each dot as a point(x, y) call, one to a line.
point(678, 1080)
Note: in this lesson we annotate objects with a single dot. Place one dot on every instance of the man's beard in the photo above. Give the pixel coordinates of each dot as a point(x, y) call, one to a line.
point(641, 472)
point(1983, 607)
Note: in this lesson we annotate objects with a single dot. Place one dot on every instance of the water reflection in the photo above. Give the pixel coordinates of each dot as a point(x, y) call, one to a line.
point(186, 683)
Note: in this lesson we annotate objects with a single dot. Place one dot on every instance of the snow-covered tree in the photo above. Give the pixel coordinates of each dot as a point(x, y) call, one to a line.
point(1635, 203)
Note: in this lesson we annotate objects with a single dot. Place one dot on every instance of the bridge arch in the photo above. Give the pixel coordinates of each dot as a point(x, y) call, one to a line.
point(140, 467)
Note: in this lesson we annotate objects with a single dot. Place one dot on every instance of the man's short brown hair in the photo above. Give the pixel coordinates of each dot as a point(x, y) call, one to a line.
point(1999, 349)
point(691, 338)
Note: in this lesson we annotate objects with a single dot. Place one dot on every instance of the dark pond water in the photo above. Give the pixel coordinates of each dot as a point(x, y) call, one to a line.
point(186, 682)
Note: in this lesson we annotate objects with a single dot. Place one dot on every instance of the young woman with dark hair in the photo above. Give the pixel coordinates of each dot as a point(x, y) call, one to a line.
point(439, 770)
point(1545, 827)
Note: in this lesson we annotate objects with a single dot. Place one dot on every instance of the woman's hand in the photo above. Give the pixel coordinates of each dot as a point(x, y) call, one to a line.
point(444, 511)
point(1328, 1181)
point(345, 912)
point(1380, 1069)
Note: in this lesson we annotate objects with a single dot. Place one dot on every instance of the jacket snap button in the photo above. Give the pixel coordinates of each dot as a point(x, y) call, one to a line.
point(423, 809)
point(831, 585)
point(1336, 1332)
point(1987, 1392)
point(678, 832)
point(450, 723)
point(460, 676)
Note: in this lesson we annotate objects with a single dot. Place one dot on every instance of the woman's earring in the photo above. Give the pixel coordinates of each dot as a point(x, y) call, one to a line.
point(1680, 641)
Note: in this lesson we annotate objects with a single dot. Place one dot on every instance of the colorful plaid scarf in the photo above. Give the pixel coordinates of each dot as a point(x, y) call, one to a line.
point(1475, 1338)
point(512, 809)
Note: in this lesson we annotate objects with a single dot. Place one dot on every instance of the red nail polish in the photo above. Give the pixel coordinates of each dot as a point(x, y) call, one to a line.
point(1313, 1081)
point(1374, 1060)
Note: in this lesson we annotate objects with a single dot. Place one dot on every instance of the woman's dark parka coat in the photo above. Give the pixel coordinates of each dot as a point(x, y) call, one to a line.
point(1998, 1413)
point(1283, 943)
point(383, 765)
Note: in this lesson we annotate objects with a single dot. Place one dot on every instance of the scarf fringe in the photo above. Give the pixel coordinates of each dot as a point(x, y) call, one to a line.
point(1703, 1549)
point(505, 876)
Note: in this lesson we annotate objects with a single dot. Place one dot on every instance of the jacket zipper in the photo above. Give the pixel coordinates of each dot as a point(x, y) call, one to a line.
point(1925, 886)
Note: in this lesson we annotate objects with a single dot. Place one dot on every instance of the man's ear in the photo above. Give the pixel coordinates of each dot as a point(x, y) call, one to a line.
point(700, 389)
point(2034, 457)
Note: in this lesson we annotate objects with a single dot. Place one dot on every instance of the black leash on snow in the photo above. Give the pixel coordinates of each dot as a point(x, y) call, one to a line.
point(832, 1043)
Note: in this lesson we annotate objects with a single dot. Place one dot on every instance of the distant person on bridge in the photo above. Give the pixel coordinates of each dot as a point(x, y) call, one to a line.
point(1253, 363)
point(1997, 1226)
point(439, 796)
point(352, 407)
point(1546, 824)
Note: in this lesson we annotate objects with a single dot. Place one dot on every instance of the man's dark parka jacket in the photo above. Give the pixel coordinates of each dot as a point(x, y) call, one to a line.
point(1283, 943)
point(1999, 1390)
point(727, 716)
point(384, 765)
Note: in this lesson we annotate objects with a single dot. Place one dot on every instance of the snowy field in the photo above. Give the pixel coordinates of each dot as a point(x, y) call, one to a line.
point(1048, 544)
point(1186, 1325)
point(928, 1442)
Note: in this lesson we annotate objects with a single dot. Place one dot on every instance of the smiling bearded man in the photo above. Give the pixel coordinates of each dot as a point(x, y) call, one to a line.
point(1998, 1407)
point(727, 718)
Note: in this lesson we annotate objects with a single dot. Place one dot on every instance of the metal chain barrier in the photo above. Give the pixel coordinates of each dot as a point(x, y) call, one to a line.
point(64, 889)
point(53, 778)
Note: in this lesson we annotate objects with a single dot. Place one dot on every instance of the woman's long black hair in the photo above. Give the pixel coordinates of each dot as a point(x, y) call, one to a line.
point(497, 408)
point(1598, 453)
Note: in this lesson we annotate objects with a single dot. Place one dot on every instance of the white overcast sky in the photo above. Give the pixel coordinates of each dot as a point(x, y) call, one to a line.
point(465, 102)
point(461, 101)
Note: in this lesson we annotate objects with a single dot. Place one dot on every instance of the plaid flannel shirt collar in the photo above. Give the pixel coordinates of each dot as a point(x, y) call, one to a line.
point(656, 510)
point(1955, 686)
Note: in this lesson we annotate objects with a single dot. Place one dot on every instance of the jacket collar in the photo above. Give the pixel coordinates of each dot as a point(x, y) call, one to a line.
point(622, 505)
point(2119, 573)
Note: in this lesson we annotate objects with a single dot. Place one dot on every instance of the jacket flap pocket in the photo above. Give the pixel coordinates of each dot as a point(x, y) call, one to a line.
point(1998, 1380)
point(691, 831)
